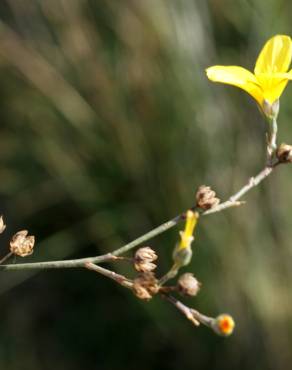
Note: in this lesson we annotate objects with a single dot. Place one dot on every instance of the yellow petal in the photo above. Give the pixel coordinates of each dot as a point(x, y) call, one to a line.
point(236, 76)
point(273, 85)
point(275, 56)
point(289, 75)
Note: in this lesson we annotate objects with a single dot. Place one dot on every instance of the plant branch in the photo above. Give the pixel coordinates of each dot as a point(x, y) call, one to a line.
point(233, 201)
point(120, 279)
point(6, 257)
point(252, 182)
point(193, 315)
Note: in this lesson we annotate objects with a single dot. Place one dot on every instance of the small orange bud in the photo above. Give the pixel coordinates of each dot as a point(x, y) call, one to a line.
point(223, 325)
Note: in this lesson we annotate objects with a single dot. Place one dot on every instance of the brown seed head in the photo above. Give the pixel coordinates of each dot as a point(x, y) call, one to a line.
point(145, 285)
point(284, 153)
point(188, 285)
point(206, 197)
point(143, 260)
point(2, 225)
point(22, 244)
point(141, 292)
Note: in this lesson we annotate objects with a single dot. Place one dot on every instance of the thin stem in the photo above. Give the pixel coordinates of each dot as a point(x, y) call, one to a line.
point(191, 314)
point(120, 279)
point(272, 138)
point(169, 275)
point(252, 182)
point(233, 201)
point(6, 257)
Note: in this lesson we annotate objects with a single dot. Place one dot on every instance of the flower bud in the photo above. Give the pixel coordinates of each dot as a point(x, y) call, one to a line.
point(223, 325)
point(21, 244)
point(145, 286)
point(284, 153)
point(182, 256)
point(2, 225)
point(143, 260)
point(188, 285)
point(206, 197)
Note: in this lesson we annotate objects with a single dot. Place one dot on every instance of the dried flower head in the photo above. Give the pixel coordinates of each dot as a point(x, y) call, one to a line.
point(144, 258)
point(22, 244)
point(206, 197)
point(188, 285)
point(2, 225)
point(145, 285)
point(223, 325)
point(284, 153)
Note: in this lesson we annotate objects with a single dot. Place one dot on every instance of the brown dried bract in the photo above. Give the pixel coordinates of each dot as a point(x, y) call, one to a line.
point(145, 285)
point(2, 225)
point(206, 197)
point(284, 153)
point(144, 258)
point(22, 244)
point(188, 285)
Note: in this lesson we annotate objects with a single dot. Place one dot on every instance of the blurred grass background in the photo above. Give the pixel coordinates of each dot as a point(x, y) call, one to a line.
point(108, 125)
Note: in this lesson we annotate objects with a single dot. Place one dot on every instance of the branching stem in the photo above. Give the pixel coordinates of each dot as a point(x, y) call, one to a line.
point(233, 201)
point(193, 315)
point(6, 257)
point(120, 279)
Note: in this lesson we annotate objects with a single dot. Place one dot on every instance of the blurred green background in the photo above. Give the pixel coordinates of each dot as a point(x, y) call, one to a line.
point(108, 126)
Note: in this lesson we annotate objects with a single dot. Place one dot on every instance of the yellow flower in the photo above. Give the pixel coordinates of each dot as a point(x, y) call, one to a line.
point(270, 76)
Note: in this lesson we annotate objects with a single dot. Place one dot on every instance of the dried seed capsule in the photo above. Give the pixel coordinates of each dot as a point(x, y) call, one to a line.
point(22, 244)
point(145, 285)
point(284, 153)
point(141, 292)
point(144, 258)
point(2, 225)
point(188, 285)
point(206, 197)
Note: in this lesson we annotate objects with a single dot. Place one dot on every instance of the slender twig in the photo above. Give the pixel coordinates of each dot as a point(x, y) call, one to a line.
point(233, 201)
point(120, 279)
point(252, 182)
point(169, 275)
point(272, 139)
point(191, 314)
point(6, 257)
